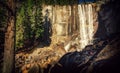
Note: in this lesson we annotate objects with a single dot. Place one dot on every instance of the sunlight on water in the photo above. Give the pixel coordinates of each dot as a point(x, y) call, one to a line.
point(86, 24)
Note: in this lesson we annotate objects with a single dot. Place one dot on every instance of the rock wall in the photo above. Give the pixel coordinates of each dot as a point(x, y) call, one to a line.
point(65, 22)
point(59, 18)
point(108, 18)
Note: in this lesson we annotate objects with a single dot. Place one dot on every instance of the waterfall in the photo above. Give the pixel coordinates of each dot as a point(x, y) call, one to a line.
point(64, 25)
point(85, 12)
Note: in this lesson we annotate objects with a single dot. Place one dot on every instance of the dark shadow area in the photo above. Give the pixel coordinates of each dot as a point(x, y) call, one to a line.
point(76, 62)
point(2, 38)
point(109, 19)
point(47, 29)
point(86, 60)
point(3, 27)
point(107, 66)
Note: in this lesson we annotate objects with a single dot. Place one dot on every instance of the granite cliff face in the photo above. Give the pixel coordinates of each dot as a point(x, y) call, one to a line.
point(67, 21)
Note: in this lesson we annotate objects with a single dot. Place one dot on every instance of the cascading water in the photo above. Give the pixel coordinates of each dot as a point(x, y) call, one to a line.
point(64, 23)
point(85, 12)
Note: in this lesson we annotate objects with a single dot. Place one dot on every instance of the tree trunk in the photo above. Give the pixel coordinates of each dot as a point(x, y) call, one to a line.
point(9, 40)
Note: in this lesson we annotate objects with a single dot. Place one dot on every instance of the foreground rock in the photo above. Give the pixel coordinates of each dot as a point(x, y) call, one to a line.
point(39, 59)
point(102, 57)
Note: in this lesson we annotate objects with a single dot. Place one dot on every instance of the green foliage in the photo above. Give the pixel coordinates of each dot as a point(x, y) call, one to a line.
point(29, 19)
point(20, 28)
point(29, 22)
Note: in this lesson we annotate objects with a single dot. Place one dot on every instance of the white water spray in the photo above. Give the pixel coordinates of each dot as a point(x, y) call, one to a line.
point(85, 12)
